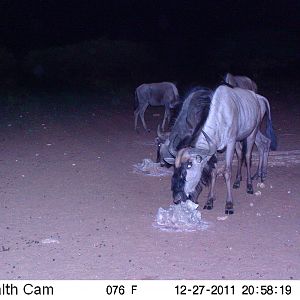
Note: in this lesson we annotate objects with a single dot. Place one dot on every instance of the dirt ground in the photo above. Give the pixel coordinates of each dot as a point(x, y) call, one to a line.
point(71, 206)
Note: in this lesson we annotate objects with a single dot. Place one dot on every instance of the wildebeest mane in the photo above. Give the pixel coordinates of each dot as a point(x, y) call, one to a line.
point(193, 115)
point(198, 128)
point(227, 84)
point(203, 117)
point(202, 103)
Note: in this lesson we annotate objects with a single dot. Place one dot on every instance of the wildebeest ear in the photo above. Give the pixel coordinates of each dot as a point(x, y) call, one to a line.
point(170, 160)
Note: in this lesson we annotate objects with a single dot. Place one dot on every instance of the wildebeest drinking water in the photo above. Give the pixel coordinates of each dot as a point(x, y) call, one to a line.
point(242, 82)
point(235, 115)
point(155, 94)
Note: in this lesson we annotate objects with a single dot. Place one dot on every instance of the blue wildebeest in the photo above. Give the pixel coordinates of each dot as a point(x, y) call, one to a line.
point(242, 82)
point(193, 114)
point(155, 94)
point(235, 115)
point(261, 141)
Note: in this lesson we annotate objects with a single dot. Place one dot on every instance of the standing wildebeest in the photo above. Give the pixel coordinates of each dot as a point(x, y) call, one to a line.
point(156, 94)
point(191, 118)
point(235, 115)
point(242, 82)
point(262, 142)
point(193, 114)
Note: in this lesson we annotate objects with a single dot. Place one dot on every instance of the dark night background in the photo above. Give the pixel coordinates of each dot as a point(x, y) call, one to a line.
point(103, 45)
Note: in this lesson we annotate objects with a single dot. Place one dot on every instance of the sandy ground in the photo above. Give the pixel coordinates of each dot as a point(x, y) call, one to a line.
point(71, 206)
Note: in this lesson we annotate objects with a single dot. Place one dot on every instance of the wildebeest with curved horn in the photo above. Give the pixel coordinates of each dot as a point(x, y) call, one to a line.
point(235, 115)
point(192, 115)
point(155, 94)
point(242, 82)
point(191, 118)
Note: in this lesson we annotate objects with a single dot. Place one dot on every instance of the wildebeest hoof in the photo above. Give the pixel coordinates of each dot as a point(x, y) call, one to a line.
point(263, 177)
point(255, 176)
point(209, 204)
point(236, 185)
point(229, 209)
point(148, 130)
point(208, 207)
point(250, 189)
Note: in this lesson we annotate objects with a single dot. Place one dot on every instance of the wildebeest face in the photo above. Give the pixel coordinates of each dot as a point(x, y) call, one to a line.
point(186, 180)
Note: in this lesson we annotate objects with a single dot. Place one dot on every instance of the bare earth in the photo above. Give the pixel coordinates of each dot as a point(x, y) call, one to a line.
point(71, 206)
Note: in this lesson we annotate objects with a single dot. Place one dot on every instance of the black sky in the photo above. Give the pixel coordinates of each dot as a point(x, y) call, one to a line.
point(42, 23)
point(185, 37)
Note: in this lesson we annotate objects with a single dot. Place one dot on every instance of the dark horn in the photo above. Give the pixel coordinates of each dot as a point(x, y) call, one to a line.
point(211, 146)
point(159, 133)
point(171, 147)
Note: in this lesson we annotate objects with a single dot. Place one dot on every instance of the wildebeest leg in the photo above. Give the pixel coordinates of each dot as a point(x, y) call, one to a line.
point(227, 174)
point(259, 146)
point(166, 117)
point(211, 194)
point(263, 146)
point(267, 144)
point(250, 142)
point(142, 115)
point(136, 115)
point(238, 179)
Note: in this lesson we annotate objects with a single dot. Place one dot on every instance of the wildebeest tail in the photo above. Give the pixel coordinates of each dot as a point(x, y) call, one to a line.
point(244, 149)
point(136, 101)
point(270, 133)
